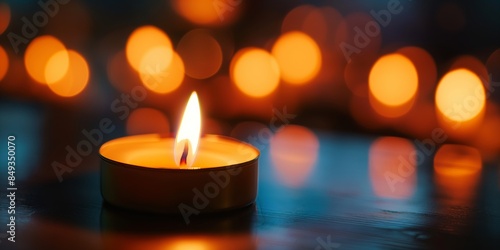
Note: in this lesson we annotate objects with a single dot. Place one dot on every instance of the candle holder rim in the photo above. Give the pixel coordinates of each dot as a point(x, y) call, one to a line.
point(145, 168)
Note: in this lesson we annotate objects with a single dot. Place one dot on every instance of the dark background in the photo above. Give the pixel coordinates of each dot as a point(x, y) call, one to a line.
point(337, 200)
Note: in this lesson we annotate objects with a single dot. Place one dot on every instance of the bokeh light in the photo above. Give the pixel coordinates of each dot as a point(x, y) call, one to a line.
point(58, 61)
point(294, 151)
point(393, 85)
point(157, 122)
point(39, 52)
point(190, 244)
point(161, 80)
point(474, 65)
point(393, 80)
point(298, 57)
point(201, 53)
point(309, 19)
point(121, 75)
point(426, 68)
point(393, 168)
point(356, 74)
point(460, 96)
point(295, 18)
point(208, 12)
point(153, 61)
point(4, 62)
point(141, 42)
point(4, 17)
point(255, 72)
point(76, 78)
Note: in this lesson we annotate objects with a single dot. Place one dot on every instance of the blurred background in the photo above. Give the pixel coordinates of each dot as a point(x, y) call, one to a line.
point(421, 70)
point(366, 88)
point(405, 68)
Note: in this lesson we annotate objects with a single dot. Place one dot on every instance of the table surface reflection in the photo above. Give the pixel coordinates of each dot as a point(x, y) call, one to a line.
point(320, 190)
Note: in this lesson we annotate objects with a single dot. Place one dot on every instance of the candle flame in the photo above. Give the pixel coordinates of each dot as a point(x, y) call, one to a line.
point(186, 142)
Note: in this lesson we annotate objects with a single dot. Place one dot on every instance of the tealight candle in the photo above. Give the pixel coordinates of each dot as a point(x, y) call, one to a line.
point(187, 174)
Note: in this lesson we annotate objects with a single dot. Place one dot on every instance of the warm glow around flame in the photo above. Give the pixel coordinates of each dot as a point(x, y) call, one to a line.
point(186, 142)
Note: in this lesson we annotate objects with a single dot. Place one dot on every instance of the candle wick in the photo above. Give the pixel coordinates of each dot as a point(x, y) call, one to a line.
point(183, 160)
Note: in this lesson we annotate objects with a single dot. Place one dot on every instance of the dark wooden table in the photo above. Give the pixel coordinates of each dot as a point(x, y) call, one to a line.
point(329, 203)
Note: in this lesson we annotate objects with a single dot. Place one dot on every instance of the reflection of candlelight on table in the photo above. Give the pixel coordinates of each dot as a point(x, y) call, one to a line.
point(392, 167)
point(294, 152)
point(457, 169)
